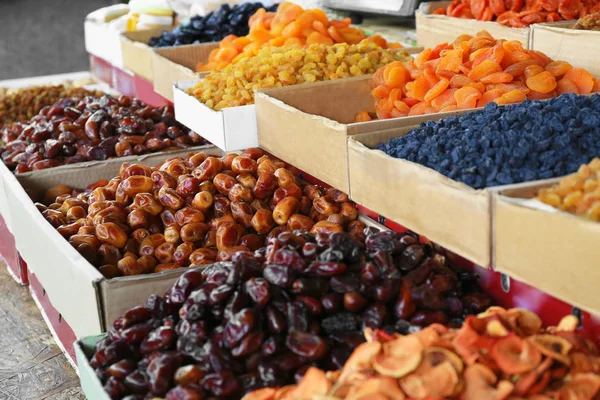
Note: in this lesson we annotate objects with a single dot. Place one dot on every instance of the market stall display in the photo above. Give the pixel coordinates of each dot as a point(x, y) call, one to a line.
point(190, 212)
point(275, 67)
point(212, 27)
point(506, 145)
point(291, 25)
point(498, 354)
point(470, 73)
point(266, 317)
point(519, 14)
point(98, 127)
point(234, 275)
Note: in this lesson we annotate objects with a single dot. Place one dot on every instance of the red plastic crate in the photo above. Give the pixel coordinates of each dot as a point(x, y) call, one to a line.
point(59, 328)
point(17, 268)
point(144, 90)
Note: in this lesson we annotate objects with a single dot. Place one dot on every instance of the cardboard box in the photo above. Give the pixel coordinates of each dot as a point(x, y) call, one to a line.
point(91, 385)
point(435, 29)
point(230, 129)
point(174, 64)
point(552, 250)
point(137, 55)
point(85, 299)
point(447, 212)
point(559, 42)
point(307, 125)
point(102, 41)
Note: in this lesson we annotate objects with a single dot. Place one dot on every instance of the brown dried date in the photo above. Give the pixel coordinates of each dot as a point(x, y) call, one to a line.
point(285, 209)
point(111, 233)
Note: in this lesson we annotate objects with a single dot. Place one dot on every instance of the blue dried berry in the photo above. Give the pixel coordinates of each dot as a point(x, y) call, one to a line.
point(505, 145)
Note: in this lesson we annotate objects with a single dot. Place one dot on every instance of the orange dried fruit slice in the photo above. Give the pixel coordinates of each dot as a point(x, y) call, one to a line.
point(313, 383)
point(261, 394)
point(372, 387)
point(439, 381)
point(485, 68)
point(451, 60)
point(395, 75)
point(558, 68)
point(445, 99)
point(514, 96)
point(360, 358)
point(489, 96)
point(565, 85)
point(458, 81)
point(401, 109)
point(581, 386)
point(582, 79)
point(497, 77)
point(378, 77)
point(467, 97)
point(418, 109)
point(363, 116)
point(381, 92)
point(482, 383)
point(543, 82)
point(436, 90)
point(552, 346)
point(515, 355)
point(533, 70)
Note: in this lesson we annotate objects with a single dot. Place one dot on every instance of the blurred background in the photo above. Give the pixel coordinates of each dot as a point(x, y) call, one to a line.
point(43, 37)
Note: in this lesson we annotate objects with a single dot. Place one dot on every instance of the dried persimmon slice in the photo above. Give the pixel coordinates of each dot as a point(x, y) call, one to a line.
point(515, 355)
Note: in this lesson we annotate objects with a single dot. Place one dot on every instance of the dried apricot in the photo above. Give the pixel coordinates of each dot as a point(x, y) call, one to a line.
point(582, 79)
point(497, 77)
point(543, 82)
point(565, 85)
point(436, 90)
point(514, 96)
point(467, 97)
point(558, 68)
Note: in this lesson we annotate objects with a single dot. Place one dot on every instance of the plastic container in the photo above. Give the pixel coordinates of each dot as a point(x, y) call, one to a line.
point(149, 14)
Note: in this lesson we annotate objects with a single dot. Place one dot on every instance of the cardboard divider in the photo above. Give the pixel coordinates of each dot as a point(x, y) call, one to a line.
point(307, 125)
point(435, 29)
point(91, 302)
point(559, 42)
point(230, 129)
point(447, 212)
point(555, 251)
point(137, 55)
point(174, 64)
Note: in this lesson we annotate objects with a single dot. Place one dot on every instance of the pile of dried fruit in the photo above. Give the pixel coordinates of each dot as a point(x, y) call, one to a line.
point(23, 104)
point(276, 67)
point(589, 22)
point(519, 13)
point(505, 145)
point(290, 26)
point(191, 211)
point(75, 130)
point(470, 73)
point(578, 193)
point(213, 27)
point(500, 354)
point(263, 319)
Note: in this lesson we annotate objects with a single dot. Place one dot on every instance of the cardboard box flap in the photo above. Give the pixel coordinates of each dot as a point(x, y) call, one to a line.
point(447, 212)
point(137, 55)
point(341, 103)
point(174, 64)
point(556, 252)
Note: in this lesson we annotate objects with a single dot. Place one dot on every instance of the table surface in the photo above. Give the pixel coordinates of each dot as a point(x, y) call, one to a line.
point(32, 367)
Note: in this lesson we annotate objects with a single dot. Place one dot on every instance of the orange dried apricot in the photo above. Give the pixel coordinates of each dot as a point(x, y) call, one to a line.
point(514, 96)
point(543, 82)
point(363, 117)
point(497, 77)
point(485, 68)
point(436, 90)
point(565, 85)
point(467, 97)
point(558, 68)
point(582, 79)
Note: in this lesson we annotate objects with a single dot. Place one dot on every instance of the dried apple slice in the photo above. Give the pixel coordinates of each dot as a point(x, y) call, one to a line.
point(523, 321)
point(582, 386)
point(400, 357)
point(382, 385)
point(552, 346)
point(465, 343)
point(437, 355)
point(439, 381)
point(582, 363)
point(313, 383)
point(528, 380)
point(261, 394)
point(360, 359)
point(480, 383)
point(496, 328)
point(515, 355)
point(568, 323)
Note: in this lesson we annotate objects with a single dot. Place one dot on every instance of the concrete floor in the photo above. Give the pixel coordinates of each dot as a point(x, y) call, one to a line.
point(42, 37)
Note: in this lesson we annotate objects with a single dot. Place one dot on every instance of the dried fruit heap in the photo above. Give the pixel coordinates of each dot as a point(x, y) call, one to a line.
point(276, 67)
point(498, 355)
point(23, 104)
point(504, 145)
point(291, 25)
point(213, 27)
point(191, 211)
point(91, 128)
point(265, 318)
point(472, 72)
point(520, 13)
point(578, 193)
point(589, 22)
